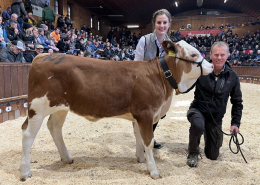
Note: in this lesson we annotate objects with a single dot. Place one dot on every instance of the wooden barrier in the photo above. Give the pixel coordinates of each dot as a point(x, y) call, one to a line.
point(14, 87)
point(14, 90)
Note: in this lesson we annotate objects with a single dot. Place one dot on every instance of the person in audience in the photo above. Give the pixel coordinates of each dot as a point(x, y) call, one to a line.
point(251, 56)
point(182, 27)
point(84, 28)
point(201, 27)
point(113, 41)
point(50, 50)
point(221, 26)
point(243, 56)
point(48, 16)
point(80, 53)
point(12, 31)
point(61, 21)
point(68, 21)
point(38, 50)
point(63, 45)
point(56, 35)
point(27, 36)
point(213, 26)
point(31, 19)
point(80, 45)
point(252, 63)
point(2, 35)
point(189, 27)
point(14, 18)
point(257, 59)
point(36, 36)
point(44, 41)
point(235, 63)
point(107, 51)
point(88, 30)
point(18, 8)
point(52, 45)
point(7, 14)
point(12, 53)
point(208, 27)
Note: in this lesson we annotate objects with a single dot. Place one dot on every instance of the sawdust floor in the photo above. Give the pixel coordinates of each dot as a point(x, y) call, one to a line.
point(104, 151)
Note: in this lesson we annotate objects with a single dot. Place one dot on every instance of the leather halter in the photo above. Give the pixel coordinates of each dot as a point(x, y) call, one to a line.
point(168, 74)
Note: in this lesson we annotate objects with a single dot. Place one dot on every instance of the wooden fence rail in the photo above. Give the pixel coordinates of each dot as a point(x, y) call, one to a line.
point(14, 87)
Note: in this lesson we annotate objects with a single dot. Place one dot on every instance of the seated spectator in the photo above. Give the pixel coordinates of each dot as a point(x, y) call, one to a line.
point(201, 27)
point(88, 30)
point(251, 56)
point(27, 36)
point(44, 41)
point(256, 49)
point(38, 50)
point(12, 31)
point(14, 18)
point(87, 54)
point(208, 27)
point(2, 34)
point(52, 45)
point(227, 25)
point(68, 21)
point(80, 53)
point(221, 27)
point(249, 50)
point(55, 34)
point(233, 25)
point(107, 51)
point(189, 27)
point(182, 27)
point(80, 45)
point(12, 53)
point(246, 45)
point(113, 41)
point(130, 52)
point(257, 59)
point(65, 34)
point(236, 56)
point(31, 19)
point(50, 50)
point(213, 26)
point(61, 21)
point(7, 14)
point(63, 45)
point(237, 47)
point(36, 36)
point(83, 28)
point(95, 51)
point(235, 63)
point(243, 56)
point(252, 63)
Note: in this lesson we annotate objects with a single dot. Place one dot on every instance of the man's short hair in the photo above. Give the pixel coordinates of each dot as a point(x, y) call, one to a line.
point(66, 39)
point(12, 22)
point(57, 28)
point(14, 14)
point(219, 44)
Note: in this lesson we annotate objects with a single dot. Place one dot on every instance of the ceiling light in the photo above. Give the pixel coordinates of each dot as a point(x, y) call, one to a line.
point(176, 4)
point(132, 26)
point(225, 1)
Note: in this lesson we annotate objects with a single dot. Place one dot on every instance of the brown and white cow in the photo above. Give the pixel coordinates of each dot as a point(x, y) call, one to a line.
point(95, 89)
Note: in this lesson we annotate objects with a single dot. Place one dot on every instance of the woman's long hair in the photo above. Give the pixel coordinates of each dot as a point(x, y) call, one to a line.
point(28, 33)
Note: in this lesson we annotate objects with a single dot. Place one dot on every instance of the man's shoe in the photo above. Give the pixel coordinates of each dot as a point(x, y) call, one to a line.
point(157, 145)
point(192, 159)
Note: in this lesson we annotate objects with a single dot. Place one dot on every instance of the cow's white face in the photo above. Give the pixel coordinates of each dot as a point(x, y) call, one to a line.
point(191, 53)
point(188, 72)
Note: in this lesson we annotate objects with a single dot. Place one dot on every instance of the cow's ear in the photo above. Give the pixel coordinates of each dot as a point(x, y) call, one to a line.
point(170, 48)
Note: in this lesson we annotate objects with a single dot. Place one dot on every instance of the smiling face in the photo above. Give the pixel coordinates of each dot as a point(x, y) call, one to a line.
point(219, 56)
point(161, 24)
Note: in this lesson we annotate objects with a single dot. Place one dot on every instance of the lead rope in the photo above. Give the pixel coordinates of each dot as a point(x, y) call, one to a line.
point(233, 135)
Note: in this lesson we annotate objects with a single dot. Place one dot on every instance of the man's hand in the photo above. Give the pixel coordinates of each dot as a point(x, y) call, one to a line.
point(232, 128)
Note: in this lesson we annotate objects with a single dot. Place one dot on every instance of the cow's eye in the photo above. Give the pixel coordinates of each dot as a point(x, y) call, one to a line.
point(193, 55)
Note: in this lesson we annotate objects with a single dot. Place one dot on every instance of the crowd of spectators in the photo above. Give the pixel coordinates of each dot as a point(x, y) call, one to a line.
point(243, 51)
point(20, 33)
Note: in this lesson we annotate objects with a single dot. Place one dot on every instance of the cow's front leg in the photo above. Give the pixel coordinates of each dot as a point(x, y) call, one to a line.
point(139, 144)
point(145, 123)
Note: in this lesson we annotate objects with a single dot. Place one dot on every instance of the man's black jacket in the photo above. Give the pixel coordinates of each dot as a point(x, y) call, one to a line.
point(217, 94)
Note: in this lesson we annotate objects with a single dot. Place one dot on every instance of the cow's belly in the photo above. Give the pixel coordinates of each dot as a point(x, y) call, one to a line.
point(127, 116)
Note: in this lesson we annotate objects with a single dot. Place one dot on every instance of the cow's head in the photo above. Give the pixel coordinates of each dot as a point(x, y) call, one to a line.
point(186, 73)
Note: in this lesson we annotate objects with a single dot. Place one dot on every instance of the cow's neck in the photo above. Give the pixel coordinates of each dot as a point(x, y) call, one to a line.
point(168, 87)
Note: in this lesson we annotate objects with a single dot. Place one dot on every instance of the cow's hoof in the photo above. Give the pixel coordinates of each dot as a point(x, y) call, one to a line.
point(67, 161)
point(141, 160)
point(24, 177)
point(154, 177)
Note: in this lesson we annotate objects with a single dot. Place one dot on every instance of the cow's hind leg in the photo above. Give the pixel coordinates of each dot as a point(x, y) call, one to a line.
point(32, 126)
point(146, 130)
point(55, 124)
point(139, 144)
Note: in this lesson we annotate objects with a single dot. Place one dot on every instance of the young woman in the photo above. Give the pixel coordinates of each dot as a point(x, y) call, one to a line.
point(27, 36)
point(150, 46)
